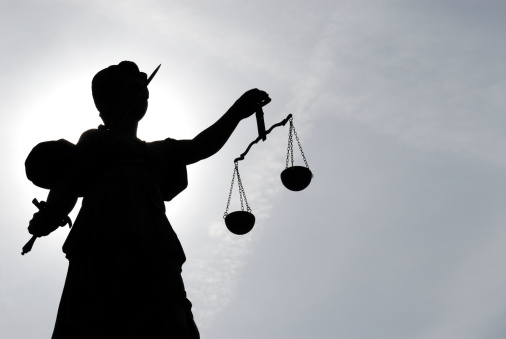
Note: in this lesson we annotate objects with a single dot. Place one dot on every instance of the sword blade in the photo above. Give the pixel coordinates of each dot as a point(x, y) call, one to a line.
point(153, 75)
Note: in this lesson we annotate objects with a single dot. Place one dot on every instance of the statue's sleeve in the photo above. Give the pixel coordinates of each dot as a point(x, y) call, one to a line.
point(91, 140)
point(47, 162)
point(172, 169)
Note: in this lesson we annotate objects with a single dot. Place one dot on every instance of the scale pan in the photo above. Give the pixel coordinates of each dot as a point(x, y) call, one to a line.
point(240, 222)
point(296, 178)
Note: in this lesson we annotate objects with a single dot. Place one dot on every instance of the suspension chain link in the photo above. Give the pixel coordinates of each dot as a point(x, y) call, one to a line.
point(230, 194)
point(289, 154)
point(300, 147)
point(242, 193)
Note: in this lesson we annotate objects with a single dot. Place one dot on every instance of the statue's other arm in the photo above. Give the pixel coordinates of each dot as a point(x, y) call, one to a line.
point(60, 202)
point(62, 198)
point(64, 195)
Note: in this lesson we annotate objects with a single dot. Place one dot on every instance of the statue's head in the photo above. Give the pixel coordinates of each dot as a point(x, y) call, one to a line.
point(115, 90)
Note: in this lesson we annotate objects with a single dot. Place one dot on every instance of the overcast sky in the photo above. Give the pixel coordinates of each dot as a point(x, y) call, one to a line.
point(399, 106)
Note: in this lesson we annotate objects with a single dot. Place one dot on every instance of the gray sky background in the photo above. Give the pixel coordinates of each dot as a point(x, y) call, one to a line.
point(399, 106)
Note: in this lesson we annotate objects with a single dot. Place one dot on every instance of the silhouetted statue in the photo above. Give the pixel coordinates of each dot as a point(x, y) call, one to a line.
point(124, 276)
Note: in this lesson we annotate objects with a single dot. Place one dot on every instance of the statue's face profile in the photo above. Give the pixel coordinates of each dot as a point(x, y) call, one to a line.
point(135, 88)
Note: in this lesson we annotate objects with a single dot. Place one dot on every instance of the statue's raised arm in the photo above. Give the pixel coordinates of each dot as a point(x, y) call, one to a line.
point(212, 139)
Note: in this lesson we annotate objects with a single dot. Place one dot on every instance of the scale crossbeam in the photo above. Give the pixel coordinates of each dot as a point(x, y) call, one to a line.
point(281, 123)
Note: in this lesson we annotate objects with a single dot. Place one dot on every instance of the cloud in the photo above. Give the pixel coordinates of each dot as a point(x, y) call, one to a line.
point(430, 81)
point(216, 272)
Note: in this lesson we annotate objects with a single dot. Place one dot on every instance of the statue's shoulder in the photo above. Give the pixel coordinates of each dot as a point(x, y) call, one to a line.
point(91, 137)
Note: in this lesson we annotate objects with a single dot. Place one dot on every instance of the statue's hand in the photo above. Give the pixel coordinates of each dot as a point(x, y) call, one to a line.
point(249, 103)
point(45, 221)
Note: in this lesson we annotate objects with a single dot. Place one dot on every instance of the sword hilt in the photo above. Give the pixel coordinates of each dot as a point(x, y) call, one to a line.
point(40, 205)
point(260, 120)
point(28, 246)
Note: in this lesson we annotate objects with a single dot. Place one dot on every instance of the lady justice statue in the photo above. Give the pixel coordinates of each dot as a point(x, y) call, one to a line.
point(124, 276)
